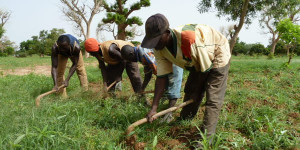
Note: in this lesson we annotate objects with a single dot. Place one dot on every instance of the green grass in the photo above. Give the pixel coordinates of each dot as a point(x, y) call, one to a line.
point(13, 62)
point(261, 111)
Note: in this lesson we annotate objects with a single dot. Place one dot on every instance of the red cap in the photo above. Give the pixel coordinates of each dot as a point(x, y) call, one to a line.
point(91, 45)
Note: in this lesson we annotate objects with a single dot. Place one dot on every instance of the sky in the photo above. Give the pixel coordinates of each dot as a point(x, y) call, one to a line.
point(29, 17)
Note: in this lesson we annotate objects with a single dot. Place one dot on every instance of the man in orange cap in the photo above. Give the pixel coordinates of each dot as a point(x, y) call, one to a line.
point(67, 46)
point(110, 52)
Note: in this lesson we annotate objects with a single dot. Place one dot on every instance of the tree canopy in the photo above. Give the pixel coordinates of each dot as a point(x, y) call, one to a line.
point(242, 11)
point(40, 44)
point(118, 14)
point(290, 32)
point(273, 13)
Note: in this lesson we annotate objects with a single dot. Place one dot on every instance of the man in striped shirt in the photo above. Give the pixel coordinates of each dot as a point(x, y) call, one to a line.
point(198, 48)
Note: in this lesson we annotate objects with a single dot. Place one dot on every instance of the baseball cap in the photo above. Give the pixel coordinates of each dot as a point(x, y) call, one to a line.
point(155, 26)
point(91, 45)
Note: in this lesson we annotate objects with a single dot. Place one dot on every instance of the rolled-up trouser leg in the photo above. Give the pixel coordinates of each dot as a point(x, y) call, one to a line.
point(215, 93)
point(194, 89)
point(174, 83)
point(81, 73)
point(134, 75)
point(61, 67)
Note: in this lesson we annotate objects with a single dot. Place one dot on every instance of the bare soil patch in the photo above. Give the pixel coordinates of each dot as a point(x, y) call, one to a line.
point(40, 70)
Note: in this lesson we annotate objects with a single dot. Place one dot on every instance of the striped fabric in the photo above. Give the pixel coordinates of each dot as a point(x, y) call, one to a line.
point(195, 45)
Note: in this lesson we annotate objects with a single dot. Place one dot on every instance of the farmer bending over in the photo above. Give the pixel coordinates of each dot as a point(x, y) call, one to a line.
point(198, 48)
point(67, 46)
point(110, 52)
point(147, 58)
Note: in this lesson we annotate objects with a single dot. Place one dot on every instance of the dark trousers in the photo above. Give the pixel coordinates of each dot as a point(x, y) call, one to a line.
point(213, 83)
point(115, 74)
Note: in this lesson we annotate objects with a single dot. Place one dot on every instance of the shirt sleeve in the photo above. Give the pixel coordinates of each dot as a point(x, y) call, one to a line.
point(164, 66)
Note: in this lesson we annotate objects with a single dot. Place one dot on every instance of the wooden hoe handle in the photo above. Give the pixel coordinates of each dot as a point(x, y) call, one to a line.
point(38, 99)
point(111, 85)
point(144, 120)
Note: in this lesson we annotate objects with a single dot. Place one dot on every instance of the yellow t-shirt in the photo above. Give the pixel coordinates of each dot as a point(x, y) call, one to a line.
point(105, 48)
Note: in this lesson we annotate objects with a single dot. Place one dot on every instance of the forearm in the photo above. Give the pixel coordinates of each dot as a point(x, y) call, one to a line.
point(54, 75)
point(104, 76)
point(71, 72)
point(103, 72)
point(160, 85)
point(147, 79)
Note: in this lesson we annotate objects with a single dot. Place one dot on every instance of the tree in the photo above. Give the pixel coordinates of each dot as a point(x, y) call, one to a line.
point(7, 47)
point(118, 14)
point(290, 34)
point(27, 47)
point(228, 31)
point(41, 44)
point(81, 14)
point(258, 49)
point(242, 11)
point(240, 48)
point(279, 49)
point(276, 11)
point(4, 16)
point(47, 38)
point(1, 32)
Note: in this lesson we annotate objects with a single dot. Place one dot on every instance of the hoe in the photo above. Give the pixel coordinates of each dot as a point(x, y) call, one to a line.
point(38, 99)
point(132, 138)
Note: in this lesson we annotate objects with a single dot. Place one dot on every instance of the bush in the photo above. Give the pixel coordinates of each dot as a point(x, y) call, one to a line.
point(279, 49)
point(9, 50)
point(21, 54)
point(258, 49)
point(239, 48)
point(3, 54)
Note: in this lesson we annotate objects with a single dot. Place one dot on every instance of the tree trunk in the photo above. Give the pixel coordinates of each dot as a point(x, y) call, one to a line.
point(291, 56)
point(238, 28)
point(121, 32)
point(272, 50)
point(274, 43)
point(87, 55)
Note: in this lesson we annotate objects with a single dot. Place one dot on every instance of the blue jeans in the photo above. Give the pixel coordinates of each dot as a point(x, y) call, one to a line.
point(174, 83)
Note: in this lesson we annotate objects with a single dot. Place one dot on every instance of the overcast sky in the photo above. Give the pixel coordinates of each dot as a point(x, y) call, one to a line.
point(29, 17)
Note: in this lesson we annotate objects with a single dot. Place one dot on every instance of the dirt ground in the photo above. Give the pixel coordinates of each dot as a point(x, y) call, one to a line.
point(39, 70)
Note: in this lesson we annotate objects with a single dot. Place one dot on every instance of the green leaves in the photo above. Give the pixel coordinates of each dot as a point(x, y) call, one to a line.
point(154, 142)
point(19, 139)
point(290, 32)
point(117, 13)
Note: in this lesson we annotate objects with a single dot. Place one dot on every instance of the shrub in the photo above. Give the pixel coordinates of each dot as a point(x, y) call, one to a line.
point(2, 54)
point(258, 49)
point(21, 54)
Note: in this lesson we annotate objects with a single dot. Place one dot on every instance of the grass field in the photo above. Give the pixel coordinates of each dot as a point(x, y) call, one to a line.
point(261, 111)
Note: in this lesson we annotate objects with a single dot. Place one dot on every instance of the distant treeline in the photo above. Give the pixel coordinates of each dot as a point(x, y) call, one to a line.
point(42, 44)
point(242, 48)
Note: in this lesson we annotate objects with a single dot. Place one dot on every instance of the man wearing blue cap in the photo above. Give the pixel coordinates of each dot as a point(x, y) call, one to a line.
point(67, 46)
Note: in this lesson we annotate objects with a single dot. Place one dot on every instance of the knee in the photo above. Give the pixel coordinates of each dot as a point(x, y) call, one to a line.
point(216, 103)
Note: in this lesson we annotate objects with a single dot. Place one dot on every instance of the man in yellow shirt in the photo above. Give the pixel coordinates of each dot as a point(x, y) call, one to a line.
point(198, 48)
point(109, 52)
